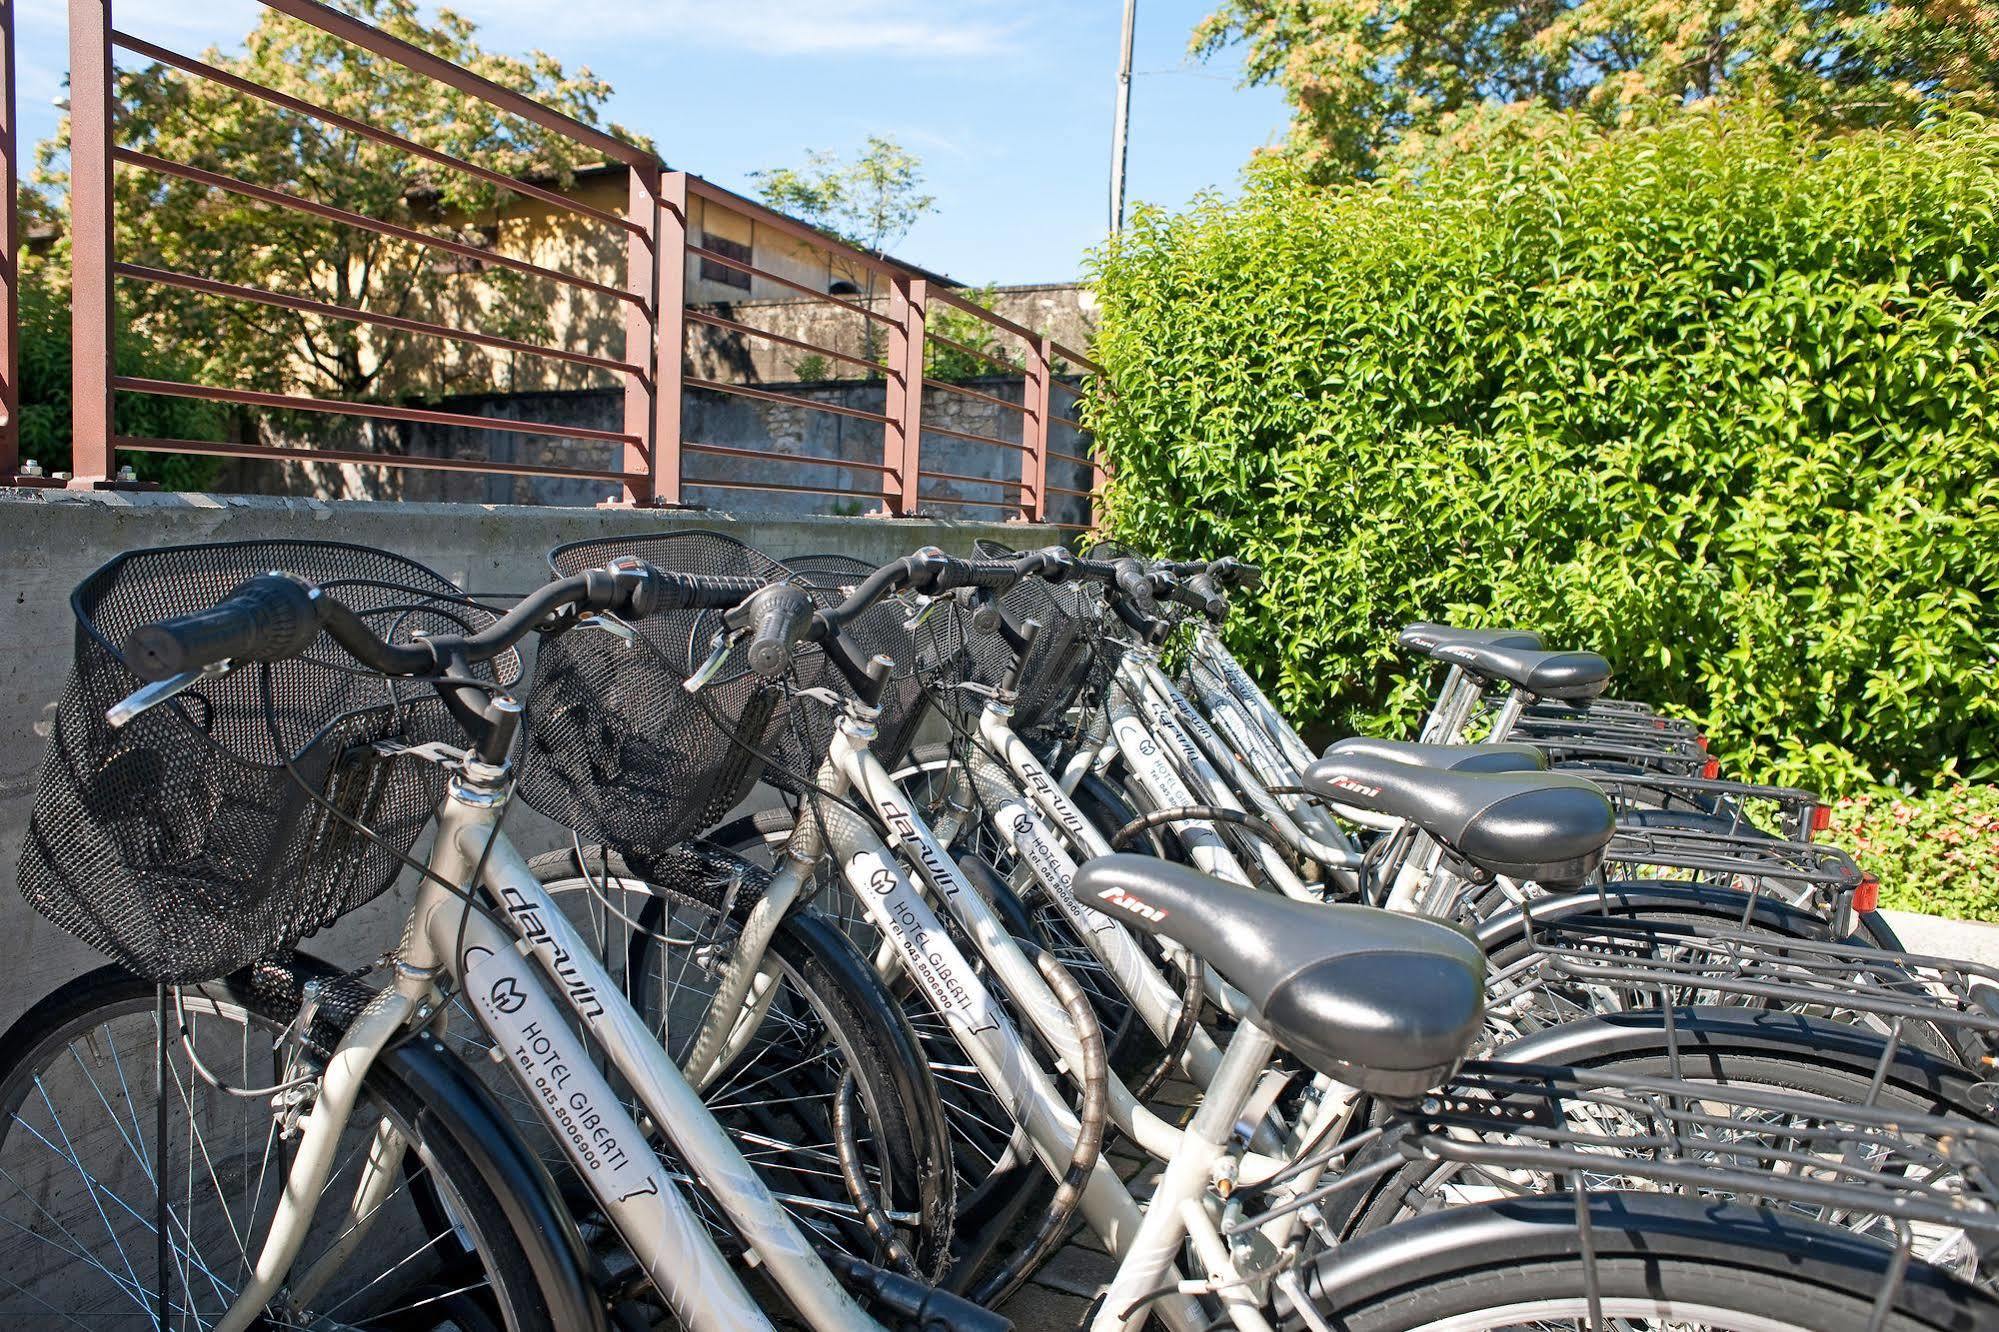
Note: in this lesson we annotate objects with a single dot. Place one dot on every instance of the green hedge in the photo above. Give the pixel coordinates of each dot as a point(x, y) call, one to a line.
point(1714, 398)
point(1936, 853)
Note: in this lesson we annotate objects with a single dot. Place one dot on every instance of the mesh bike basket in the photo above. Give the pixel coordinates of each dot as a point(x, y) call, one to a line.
point(179, 844)
point(1062, 661)
point(880, 630)
point(619, 752)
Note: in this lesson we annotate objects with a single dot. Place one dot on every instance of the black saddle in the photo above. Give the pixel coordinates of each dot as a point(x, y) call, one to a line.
point(1546, 826)
point(1384, 1002)
point(1572, 677)
point(1499, 756)
point(1425, 637)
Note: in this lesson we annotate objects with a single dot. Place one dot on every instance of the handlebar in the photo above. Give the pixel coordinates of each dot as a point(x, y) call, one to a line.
point(276, 616)
point(1226, 572)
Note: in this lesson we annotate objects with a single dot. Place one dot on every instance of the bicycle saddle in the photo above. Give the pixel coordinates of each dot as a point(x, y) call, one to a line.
point(1573, 677)
point(1546, 826)
point(1384, 1002)
point(1499, 756)
point(1425, 637)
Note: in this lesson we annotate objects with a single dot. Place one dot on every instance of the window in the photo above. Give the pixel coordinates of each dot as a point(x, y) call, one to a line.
point(722, 273)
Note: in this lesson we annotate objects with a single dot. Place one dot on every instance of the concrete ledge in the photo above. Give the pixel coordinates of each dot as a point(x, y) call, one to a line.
point(53, 538)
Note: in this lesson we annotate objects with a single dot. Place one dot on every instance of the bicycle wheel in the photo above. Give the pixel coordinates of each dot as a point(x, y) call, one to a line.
point(825, 1018)
point(1512, 1267)
point(1127, 1045)
point(80, 1150)
point(982, 1134)
point(1811, 1070)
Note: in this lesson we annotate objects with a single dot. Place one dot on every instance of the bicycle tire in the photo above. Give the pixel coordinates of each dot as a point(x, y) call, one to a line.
point(447, 1194)
point(1508, 1265)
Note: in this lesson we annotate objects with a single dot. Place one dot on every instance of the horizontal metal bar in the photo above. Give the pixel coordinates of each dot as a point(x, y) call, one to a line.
point(1015, 483)
point(1071, 457)
point(1075, 357)
point(1069, 421)
point(727, 451)
point(148, 162)
point(931, 335)
point(378, 411)
point(949, 387)
point(789, 399)
point(189, 282)
point(235, 83)
point(1073, 390)
point(742, 267)
point(971, 438)
point(979, 312)
point(1065, 490)
point(717, 321)
point(792, 227)
point(417, 60)
point(777, 485)
point(209, 448)
point(977, 504)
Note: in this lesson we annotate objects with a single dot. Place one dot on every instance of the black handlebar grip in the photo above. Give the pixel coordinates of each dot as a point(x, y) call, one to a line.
point(1229, 571)
point(269, 618)
point(781, 614)
point(1136, 583)
point(1149, 630)
point(1201, 593)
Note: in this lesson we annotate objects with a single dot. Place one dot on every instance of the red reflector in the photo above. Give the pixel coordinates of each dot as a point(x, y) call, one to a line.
point(1701, 740)
point(1821, 817)
point(1711, 769)
point(1868, 895)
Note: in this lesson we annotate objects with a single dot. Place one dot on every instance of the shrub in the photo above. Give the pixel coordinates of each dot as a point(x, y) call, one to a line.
point(1713, 397)
point(1937, 852)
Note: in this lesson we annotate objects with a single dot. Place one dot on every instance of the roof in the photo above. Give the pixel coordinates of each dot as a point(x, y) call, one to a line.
point(602, 170)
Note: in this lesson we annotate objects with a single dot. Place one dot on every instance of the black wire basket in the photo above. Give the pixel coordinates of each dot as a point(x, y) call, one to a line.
point(619, 751)
point(882, 630)
point(1063, 663)
point(208, 833)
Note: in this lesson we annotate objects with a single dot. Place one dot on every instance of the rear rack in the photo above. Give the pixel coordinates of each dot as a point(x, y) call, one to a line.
point(1795, 805)
point(1534, 1129)
point(1673, 964)
point(1710, 856)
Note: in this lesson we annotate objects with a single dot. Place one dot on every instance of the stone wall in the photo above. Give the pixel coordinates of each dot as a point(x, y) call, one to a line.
point(774, 481)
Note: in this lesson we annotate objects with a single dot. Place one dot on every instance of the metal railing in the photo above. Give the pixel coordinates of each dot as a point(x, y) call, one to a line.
point(649, 454)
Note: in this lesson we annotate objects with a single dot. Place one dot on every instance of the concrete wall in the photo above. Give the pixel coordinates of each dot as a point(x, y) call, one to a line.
point(53, 538)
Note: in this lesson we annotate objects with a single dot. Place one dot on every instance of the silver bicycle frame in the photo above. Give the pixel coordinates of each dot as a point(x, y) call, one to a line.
point(534, 1034)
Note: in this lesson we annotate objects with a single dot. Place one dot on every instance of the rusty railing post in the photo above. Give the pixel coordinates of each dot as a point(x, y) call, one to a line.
point(671, 327)
point(902, 437)
point(1035, 428)
point(93, 302)
point(642, 391)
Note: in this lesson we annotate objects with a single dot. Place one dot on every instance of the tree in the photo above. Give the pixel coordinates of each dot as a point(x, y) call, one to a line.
point(870, 202)
point(169, 222)
point(1372, 82)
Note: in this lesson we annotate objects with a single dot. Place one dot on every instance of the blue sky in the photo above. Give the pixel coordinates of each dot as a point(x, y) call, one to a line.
point(1008, 102)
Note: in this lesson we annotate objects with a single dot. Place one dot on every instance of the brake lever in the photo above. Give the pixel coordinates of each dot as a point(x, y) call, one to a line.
point(158, 692)
point(611, 625)
point(712, 667)
point(926, 606)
